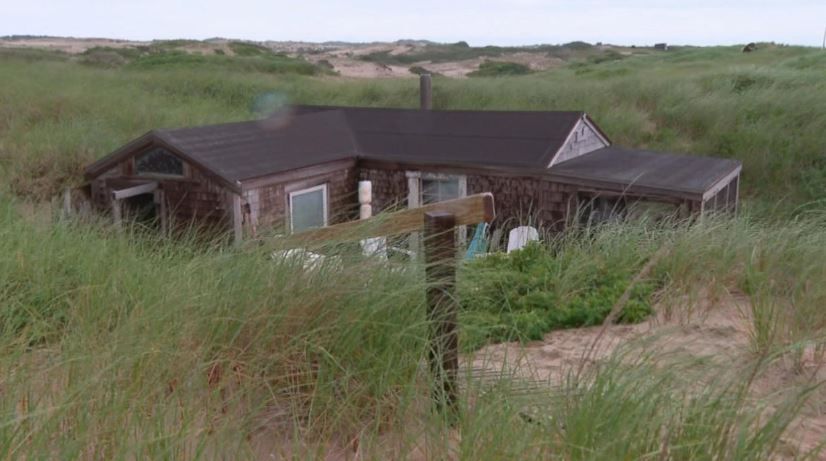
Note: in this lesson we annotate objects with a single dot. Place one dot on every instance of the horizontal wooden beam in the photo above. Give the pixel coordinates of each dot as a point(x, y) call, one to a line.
point(474, 209)
point(135, 190)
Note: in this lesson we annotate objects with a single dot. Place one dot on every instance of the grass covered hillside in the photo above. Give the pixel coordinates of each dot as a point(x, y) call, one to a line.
point(765, 108)
point(131, 345)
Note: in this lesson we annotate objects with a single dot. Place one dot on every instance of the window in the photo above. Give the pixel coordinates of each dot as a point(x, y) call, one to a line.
point(308, 208)
point(159, 161)
point(439, 189)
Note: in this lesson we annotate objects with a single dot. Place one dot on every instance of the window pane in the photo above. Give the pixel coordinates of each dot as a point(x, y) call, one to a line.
point(307, 210)
point(159, 161)
point(437, 190)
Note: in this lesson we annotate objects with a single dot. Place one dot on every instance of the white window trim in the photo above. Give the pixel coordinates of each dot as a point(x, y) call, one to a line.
point(323, 188)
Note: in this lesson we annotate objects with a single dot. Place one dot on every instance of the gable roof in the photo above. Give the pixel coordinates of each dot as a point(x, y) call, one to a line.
point(310, 135)
point(508, 138)
point(516, 141)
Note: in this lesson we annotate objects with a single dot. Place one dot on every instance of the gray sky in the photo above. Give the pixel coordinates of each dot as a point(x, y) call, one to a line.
point(480, 22)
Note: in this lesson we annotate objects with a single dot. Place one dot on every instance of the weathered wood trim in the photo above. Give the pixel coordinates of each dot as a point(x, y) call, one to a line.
point(565, 143)
point(101, 166)
point(117, 213)
point(237, 229)
point(203, 169)
point(469, 210)
point(585, 122)
point(737, 197)
point(135, 190)
point(324, 201)
point(601, 134)
point(304, 173)
point(414, 193)
point(719, 185)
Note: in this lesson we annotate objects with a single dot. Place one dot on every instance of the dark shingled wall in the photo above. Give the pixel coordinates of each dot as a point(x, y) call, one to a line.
point(524, 201)
point(389, 188)
point(519, 200)
point(342, 198)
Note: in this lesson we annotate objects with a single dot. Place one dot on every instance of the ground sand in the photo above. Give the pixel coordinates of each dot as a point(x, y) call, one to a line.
point(718, 331)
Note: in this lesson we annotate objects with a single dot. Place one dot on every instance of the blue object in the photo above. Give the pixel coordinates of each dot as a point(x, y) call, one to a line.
point(477, 244)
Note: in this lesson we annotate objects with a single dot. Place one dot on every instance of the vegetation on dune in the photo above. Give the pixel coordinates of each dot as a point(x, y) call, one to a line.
point(136, 346)
point(500, 69)
point(247, 57)
point(460, 51)
point(525, 294)
point(764, 108)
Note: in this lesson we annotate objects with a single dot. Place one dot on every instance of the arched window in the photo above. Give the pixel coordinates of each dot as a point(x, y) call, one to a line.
point(158, 161)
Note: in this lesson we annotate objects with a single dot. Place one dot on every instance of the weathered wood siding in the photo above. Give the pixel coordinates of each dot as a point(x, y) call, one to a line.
point(526, 200)
point(518, 200)
point(192, 199)
point(583, 139)
point(266, 205)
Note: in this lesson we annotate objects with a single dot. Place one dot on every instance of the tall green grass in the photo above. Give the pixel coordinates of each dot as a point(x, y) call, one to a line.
point(130, 345)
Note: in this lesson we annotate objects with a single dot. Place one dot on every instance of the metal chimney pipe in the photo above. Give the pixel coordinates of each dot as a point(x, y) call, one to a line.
point(425, 92)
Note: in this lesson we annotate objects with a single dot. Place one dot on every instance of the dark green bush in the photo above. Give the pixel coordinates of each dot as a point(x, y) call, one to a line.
point(500, 69)
point(519, 296)
point(249, 49)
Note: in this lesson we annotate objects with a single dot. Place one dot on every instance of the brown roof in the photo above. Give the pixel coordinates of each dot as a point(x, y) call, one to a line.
point(245, 150)
point(310, 135)
point(508, 138)
point(521, 141)
point(635, 169)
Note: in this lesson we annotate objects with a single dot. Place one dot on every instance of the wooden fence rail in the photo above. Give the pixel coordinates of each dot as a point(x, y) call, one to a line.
point(473, 209)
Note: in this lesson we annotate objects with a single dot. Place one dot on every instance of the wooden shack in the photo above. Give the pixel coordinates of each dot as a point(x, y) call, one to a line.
point(300, 169)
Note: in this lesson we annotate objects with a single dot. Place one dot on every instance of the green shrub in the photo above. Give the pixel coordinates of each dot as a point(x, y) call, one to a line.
point(525, 294)
point(500, 69)
point(248, 49)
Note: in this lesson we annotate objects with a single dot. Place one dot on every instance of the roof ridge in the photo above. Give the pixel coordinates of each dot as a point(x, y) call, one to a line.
point(329, 108)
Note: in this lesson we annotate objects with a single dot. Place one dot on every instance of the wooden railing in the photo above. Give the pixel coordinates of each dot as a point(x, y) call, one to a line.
point(469, 210)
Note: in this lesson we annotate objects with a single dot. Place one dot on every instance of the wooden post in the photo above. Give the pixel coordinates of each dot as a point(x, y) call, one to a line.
point(237, 229)
point(67, 203)
point(117, 214)
point(442, 309)
point(425, 92)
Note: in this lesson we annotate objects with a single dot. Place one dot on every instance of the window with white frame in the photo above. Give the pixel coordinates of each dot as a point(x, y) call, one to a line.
point(308, 208)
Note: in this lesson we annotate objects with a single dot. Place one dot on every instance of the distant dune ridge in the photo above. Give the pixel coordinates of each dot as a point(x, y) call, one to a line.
point(402, 58)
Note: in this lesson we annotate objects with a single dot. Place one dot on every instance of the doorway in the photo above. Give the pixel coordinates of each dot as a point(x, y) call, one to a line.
point(142, 209)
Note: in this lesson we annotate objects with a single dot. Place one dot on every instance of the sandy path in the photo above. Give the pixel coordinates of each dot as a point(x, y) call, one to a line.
point(717, 331)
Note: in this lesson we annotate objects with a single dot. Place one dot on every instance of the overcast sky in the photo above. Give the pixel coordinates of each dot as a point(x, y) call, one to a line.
point(479, 22)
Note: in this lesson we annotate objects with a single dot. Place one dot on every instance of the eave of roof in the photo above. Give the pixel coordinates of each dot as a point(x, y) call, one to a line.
point(686, 176)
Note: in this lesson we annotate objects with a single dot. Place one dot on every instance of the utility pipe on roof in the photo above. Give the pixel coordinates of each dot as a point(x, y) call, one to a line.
point(425, 92)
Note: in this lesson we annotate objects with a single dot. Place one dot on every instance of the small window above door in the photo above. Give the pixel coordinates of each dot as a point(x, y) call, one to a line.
point(158, 161)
